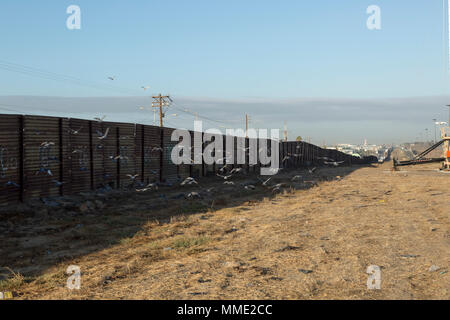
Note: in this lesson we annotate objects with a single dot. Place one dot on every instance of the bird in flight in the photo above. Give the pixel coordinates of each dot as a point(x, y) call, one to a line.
point(72, 131)
point(264, 183)
point(224, 177)
point(145, 88)
point(334, 163)
point(132, 177)
point(101, 135)
point(112, 78)
point(311, 171)
point(157, 149)
point(100, 119)
point(236, 170)
point(47, 144)
point(189, 181)
point(193, 195)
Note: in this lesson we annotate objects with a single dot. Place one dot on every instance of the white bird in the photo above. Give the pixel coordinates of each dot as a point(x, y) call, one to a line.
point(236, 170)
point(119, 157)
point(189, 181)
point(193, 195)
point(334, 163)
point(102, 136)
point(311, 171)
point(277, 186)
point(229, 182)
point(132, 177)
point(100, 119)
point(112, 78)
point(225, 177)
point(223, 168)
point(264, 183)
point(157, 149)
point(296, 178)
point(47, 144)
point(152, 186)
point(58, 183)
point(145, 88)
point(72, 131)
point(250, 187)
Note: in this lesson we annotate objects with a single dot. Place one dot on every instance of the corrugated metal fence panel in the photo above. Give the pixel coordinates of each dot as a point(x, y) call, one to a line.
point(127, 150)
point(139, 152)
point(41, 157)
point(152, 154)
point(10, 160)
point(169, 169)
point(83, 155)
point(106, 153)
point(77, 156)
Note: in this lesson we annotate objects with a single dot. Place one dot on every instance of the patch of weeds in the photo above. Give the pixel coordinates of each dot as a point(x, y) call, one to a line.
point(14, 282)
point(185, 243)
point(52, 279)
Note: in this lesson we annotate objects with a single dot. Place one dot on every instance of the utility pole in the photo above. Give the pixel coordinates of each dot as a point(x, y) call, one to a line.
point(285, 132)
point(448, 123)
point(246, 125)
point(160, 101)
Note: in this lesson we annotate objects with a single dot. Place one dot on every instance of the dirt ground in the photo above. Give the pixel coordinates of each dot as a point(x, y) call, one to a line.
point(313, 240)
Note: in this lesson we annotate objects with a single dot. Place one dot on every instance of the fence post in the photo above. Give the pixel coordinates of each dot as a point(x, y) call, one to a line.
point(119, 155)
point(161, 158)
point(61, 156)
point(142, 153)
point(22, 157)
point(91, 156)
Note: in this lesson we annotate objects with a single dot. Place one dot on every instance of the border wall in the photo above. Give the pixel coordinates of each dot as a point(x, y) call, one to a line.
point(43, 157)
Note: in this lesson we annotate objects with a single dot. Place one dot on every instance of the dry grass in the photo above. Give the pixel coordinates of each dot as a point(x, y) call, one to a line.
point(302, 244)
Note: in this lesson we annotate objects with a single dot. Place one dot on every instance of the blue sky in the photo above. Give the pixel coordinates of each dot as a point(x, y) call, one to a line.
point(229, 49)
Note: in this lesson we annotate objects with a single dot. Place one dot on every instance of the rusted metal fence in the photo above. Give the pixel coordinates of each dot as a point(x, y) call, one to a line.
point(43, 157)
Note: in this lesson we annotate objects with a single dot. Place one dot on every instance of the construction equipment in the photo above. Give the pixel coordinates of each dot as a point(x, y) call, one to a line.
point(421, 159)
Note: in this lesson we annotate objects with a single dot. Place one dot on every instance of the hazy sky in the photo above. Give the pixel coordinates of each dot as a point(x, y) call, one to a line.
point(312, 63)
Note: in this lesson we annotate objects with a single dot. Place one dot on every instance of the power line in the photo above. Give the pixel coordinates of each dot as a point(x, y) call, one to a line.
point(35, 72)
point(196, 115)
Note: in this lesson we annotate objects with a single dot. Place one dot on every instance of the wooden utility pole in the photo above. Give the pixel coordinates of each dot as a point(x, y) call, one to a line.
point(160, 101)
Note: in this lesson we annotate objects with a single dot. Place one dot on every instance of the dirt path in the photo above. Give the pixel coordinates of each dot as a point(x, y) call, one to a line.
point(305, 244)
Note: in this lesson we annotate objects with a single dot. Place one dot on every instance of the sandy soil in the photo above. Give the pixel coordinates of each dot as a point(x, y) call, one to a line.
point(314, 240)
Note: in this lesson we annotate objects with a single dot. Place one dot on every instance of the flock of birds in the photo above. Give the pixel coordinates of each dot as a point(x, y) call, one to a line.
point(224, 172)
point(228, 174)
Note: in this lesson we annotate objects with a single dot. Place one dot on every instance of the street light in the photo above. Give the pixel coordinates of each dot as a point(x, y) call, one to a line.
point(434, 121)
point(448, 114)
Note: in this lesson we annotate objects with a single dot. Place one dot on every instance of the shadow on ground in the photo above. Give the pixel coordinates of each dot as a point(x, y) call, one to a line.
point(36, 238)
